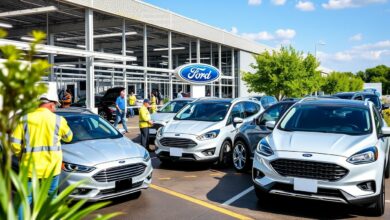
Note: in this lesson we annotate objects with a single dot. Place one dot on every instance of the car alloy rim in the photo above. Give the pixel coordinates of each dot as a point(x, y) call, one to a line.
point(239, 156)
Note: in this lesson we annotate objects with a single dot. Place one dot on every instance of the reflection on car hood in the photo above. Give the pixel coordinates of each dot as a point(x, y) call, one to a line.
point(164, 117)
point(93, 152)
point(322, 143)
point(190, 127)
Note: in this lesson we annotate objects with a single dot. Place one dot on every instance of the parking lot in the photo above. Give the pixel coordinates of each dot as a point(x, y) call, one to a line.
point(203, 191)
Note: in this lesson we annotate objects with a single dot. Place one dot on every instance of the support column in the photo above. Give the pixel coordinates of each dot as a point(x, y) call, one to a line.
point(90, 71)
point(52, 75)
point(220, 68)
point(198, 91)
point(145, 61)
point(170, 66)
point(211, 63)
point(234, 76)
point(124, 62)
point(190, 52)
point(198, 50)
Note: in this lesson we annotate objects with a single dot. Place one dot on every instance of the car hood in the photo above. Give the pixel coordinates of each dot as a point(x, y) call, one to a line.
point(190, 127)
point(321, 143)
point(94, 152)
point(162, 117)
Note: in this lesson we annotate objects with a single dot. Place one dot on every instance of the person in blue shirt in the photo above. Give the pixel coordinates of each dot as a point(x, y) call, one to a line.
point(121, 111)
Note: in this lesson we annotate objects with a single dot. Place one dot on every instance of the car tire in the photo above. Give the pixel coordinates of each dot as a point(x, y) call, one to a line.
point(241, 157)
point(225, 158)
point(387, 171)
point(378, 208)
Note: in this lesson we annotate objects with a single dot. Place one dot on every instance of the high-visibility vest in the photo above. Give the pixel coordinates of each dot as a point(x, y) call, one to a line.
point(132, 100)
point(37, 140)
point(144, 117)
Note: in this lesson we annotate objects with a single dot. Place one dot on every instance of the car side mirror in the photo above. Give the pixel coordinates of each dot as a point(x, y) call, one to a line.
point(385, 106)
point(385, 132)
point(270, 125)
point(238, 120)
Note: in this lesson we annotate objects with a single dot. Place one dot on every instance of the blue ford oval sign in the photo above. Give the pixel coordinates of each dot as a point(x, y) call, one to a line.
point(197, 73)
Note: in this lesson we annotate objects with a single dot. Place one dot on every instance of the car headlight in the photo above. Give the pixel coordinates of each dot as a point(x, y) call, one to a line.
point(368, 155)
point(160, 132)
point(208, 136)
point(146, 156)
point(264, 149)
point(70, 167)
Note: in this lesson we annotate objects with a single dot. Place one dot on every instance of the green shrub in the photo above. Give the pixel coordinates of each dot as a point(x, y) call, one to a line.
point(386, 115)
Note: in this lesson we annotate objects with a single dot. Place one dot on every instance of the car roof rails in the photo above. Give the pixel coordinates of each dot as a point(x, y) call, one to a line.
point(245, 98)
point(308, 99)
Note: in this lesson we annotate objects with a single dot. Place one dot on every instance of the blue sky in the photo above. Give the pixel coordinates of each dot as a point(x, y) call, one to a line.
point(351, 35)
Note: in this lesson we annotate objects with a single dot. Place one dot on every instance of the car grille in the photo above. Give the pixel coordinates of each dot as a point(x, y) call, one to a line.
point(111, 191)
point(309, 169)
point(120, 173)
point(178, 142)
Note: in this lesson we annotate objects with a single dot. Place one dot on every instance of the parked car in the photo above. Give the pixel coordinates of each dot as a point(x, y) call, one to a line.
point(166, 113)
point(329, 150)
point(111, 164)
point(250, 133)
point(362, 96)
point(265, 101)
point(82, 102)
point(106, 106)
point(204, 130)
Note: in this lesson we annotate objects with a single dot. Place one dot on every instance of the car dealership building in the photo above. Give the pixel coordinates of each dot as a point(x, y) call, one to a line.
point(94, 45)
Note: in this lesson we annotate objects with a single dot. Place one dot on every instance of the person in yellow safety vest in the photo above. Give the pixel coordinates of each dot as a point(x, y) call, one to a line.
point(153, 101)
point(67, 100)
point(145, 123)
point(132, 101)
point(36, 142)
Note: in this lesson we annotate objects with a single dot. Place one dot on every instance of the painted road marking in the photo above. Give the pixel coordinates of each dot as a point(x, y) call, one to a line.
point(216, 174)
point(164, 178)
point(191, 176)
point(200, 202)
point(388, 201)
point(238, 196)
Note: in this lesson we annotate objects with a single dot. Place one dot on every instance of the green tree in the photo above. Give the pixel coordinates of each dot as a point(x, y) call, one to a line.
point(20, 73)
point(341, 82)
point(377, 74)
point(284, 73)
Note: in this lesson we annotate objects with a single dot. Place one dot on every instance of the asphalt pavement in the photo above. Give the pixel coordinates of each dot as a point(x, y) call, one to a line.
point(205, 191)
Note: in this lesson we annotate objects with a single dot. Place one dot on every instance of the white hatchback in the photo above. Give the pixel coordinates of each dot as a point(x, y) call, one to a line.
point(203, 130)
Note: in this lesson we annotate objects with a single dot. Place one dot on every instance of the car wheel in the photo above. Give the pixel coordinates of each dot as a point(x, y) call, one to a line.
point(241, 156)
point(378, 208)
point(225, 156)
point(387, 171)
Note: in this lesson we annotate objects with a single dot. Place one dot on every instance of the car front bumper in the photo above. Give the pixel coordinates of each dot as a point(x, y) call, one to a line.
point(92, 190)
point(344, 190)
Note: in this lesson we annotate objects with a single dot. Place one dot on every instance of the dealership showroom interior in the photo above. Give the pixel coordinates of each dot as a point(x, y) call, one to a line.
point(132, 111)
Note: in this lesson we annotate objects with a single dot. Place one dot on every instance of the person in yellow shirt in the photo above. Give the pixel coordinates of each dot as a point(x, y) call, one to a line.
point(132, 102)
point(153, 100)
point(36, 142)
point(145, 122)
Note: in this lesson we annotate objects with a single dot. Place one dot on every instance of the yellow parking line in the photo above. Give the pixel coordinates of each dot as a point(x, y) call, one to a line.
point(200, 202)
point(216, 174)
point(164, 178)
point(191, 176)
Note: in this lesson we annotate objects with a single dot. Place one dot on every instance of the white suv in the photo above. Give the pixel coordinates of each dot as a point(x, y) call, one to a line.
point(203, 130)
point(329, 150)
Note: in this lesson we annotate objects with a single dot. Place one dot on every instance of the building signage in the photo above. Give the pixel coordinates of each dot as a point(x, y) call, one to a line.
point(197, 73)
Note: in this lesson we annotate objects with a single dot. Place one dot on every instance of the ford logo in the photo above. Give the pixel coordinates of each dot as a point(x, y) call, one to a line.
point(307, 155)
point(197, 73)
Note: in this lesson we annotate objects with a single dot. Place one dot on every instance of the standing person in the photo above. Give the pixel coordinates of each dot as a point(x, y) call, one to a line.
point(153, 100)
point(37, 139)
point(145, 123)
point(132, 101)
point(121, 111)
point(67, 100)
point(180, 95)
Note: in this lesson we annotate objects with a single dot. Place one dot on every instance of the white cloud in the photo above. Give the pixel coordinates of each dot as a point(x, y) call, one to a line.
point(278, 2)
point(285, 34)
point(340, 4)
point(254, 2)
point(342, 56)
point(264, 35)
point(305, 6)
point(356, 37)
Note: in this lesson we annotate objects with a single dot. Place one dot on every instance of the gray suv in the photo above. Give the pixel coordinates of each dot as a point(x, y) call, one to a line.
point(250, 133)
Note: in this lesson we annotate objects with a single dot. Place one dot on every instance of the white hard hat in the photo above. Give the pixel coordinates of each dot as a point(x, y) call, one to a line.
point(51, 94)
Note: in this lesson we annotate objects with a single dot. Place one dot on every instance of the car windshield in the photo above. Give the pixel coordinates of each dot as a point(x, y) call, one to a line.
point(328, 119)
point(90, 127)
point(173, 107)
point(204, 111)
